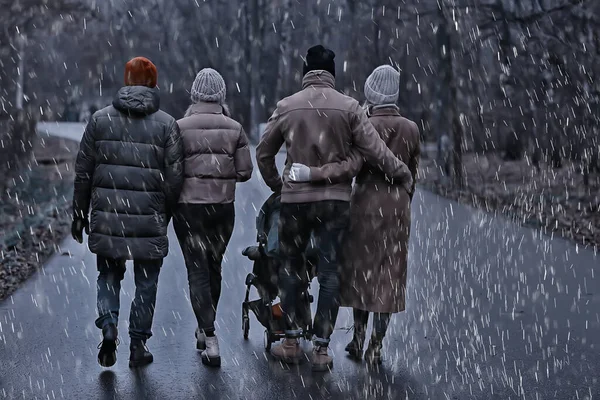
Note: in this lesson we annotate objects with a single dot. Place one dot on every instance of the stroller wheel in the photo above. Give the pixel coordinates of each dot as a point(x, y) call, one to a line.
point(267, 340)
point(246, 326)
point(245, 321)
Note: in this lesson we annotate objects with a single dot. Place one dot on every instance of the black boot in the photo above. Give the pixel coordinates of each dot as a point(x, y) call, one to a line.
point(355, 347)
point(381, 322)
point(373, 354)
point(107, 356)
point(139, 354)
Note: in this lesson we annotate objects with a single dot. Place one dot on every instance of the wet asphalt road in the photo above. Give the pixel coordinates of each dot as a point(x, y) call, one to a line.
point(494, 311)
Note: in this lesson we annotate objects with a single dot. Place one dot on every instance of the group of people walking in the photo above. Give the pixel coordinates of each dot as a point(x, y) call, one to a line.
point(138, 168)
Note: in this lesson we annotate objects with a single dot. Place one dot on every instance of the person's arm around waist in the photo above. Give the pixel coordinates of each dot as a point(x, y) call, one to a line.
point(335, 172)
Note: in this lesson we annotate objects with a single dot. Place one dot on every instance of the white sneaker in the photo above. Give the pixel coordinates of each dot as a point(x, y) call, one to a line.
point(200, 339)
point(211, 356)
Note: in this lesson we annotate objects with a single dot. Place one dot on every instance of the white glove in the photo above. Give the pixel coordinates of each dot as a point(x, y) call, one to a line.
point(299, 173)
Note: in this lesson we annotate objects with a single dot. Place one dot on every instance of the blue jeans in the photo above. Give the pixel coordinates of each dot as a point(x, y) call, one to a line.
point(297, 221)
point(110, 274)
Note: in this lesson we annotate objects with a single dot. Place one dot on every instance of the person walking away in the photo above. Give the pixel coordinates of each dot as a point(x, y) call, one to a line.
point(216, 157)
point(129, 169)
point(318, 126)
point(375, 251)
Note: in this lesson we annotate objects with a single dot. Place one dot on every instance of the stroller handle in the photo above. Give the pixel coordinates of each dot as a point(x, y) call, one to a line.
point(252, 252)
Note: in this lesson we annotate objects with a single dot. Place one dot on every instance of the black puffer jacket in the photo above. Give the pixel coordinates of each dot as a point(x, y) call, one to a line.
point(130, 167)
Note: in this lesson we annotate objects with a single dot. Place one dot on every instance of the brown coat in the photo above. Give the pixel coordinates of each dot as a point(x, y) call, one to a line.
point(216, 155)
point(374, 267)
point(319, 126)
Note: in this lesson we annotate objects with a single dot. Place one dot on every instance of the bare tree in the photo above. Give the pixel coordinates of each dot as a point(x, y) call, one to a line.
point(285, 65)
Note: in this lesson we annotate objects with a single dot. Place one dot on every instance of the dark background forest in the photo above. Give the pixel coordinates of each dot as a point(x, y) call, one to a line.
point(514, 79)
point(505, 72)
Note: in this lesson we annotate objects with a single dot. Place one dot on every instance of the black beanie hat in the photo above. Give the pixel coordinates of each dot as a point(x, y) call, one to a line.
point(319, 58)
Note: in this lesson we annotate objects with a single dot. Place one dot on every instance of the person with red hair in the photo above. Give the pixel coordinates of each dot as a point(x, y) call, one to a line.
point(129, 172)
point(140, 71)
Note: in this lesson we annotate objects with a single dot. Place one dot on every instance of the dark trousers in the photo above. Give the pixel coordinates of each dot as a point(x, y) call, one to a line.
point(381, 322)
point(111, 273)
point(203, 231)
point(329, 221)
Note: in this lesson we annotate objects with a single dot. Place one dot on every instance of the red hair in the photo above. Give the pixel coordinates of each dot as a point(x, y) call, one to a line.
point(140, 71)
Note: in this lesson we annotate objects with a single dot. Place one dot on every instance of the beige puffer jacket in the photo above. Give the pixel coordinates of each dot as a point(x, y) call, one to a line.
point(216, 155)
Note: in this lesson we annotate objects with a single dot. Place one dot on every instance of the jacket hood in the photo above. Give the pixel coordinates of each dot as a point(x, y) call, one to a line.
point(318, 78)
point(208, 108)
point(137, 100)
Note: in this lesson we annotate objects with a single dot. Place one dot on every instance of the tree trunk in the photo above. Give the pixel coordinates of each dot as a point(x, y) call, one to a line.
point(457, 130)
point(376, 34)
point(285, 65)
point(442, 91)
point(346, 81)
point(21, 73)
point(513, 140)
point(255, 45)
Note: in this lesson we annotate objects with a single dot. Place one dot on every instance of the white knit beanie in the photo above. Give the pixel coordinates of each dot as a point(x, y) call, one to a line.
point(383, 85)
point(208, 86)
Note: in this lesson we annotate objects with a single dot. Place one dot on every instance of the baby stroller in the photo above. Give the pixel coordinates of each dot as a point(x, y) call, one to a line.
point(264, 277)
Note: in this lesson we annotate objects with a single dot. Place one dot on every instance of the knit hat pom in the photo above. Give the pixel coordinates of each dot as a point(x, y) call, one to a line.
point(141, 72)
point(383, 85)
point(209, 87)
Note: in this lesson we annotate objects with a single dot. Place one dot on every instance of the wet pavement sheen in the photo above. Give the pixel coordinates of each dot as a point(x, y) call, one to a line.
point(494, 311)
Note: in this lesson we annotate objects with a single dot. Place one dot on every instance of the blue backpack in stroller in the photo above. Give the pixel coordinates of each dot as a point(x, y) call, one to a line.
point(264, 277)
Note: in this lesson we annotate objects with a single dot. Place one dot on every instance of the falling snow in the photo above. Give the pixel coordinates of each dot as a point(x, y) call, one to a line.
point(503, 292)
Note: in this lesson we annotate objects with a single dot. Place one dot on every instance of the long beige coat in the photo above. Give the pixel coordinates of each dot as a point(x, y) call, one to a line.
point(374, 267)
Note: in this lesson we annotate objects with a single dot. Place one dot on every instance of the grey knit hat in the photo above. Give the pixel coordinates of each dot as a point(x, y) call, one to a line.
point(208, 86)
point(382, 85)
